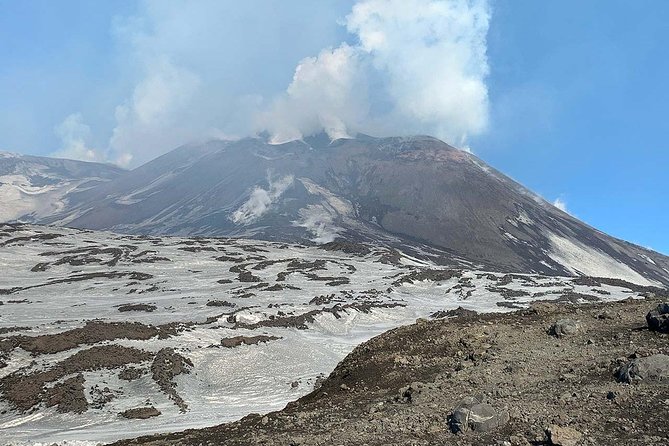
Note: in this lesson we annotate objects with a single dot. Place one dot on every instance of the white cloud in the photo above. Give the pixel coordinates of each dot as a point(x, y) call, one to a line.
point(260, 200)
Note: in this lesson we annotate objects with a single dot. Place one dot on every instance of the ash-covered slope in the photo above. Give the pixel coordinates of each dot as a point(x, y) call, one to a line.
point(415, 191)
point(33, 187)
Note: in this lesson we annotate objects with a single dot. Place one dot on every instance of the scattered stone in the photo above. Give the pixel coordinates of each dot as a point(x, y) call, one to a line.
point(347, 247)
point(236, 341)
point(653, 368)
point(606, 314)
point(219, 303)
point(458, 312)
point(100, 396)
point(130, 373)
point(137, 307)
point(414, 393)
point(658, 319)
point(141, 413)
point(564, 327)
point(518, 440)
point(563, 436)
point(68, 396)
point(473, 414)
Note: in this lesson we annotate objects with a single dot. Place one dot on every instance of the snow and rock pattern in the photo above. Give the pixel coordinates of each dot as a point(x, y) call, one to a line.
point(33, 187)
point(416, 194)
point(97, 328)
point(472, 380)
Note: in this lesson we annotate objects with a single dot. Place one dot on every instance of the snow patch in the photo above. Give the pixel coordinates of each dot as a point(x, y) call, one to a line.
point(339, 205)
point(580, 259)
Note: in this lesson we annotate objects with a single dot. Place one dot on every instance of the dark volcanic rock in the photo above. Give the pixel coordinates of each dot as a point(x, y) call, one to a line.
point(220, 303)
point(653, 368)
point(25, 390)
point(137, 307)
point(130, 373)
point(166, 365)
point(564, 327)
point(91, 333)
point(68, 396)
point(473, 414)
point(458, 312)
point(141, 413)
point(658, 319)
point(236, 341)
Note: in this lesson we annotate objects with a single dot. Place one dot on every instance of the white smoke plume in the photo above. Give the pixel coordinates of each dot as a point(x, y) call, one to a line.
point(560, 204)
point(328, 92)
point(260, 200)
point(316, 219)
point(210, 69)
point(75, 137)
point(419, 66)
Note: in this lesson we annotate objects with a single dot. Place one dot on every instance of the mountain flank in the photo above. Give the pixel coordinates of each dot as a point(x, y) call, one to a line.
point(417, 194)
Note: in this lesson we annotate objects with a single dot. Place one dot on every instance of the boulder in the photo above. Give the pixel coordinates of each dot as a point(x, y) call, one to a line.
point(472, 414)
point(653, 368)
point(141, 413)
point(563, 436)
point(658, 318)
point(564, 327)
point(415, 393)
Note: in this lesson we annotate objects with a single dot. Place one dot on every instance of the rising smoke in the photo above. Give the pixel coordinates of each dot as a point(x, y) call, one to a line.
point(213, 69)
point(260, 200)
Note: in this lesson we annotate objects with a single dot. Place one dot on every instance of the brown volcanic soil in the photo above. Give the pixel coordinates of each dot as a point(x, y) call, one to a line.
point(510, 360)
point(24, 391)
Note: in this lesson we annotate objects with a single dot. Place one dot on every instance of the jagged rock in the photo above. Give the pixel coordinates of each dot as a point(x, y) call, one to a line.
point(475, 415)
point(651, 368)
point(658, 319)
point(564, 327)
point(236, 341)
point(563, 436)
point(414, 392)
point(141, 413)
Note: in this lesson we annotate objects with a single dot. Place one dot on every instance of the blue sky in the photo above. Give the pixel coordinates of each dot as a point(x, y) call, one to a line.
point(577, 92)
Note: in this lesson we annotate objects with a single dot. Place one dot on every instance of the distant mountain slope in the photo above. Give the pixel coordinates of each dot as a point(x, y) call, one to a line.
point(33, 187)
point(410, 191)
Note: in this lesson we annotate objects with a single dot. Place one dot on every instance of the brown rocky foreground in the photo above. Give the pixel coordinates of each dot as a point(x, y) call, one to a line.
point(542, 385)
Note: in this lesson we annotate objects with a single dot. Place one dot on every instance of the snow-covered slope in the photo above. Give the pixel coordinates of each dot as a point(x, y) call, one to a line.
point(412, 193)
point(34, 187)
point(100, 323)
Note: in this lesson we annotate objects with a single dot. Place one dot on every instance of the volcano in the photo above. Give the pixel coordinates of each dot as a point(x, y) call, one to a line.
point(414, 193)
